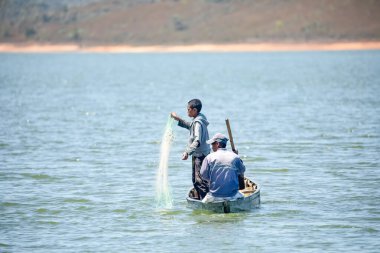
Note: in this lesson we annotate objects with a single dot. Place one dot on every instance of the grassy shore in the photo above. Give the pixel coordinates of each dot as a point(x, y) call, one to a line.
point(255, 47)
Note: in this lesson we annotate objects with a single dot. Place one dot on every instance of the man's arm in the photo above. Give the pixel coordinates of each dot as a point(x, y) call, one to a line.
point(239, 166)
point(240, 169)
point(181, 122)
point(196, 141)
point(184, 124)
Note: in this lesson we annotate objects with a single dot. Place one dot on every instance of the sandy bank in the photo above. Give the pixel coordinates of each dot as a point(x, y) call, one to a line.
point(258, 47)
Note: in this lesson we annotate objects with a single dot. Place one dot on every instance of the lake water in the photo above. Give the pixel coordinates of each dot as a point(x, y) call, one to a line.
point(80, 147)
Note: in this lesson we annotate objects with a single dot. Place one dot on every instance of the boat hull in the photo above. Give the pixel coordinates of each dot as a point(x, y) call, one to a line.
point(250, 201)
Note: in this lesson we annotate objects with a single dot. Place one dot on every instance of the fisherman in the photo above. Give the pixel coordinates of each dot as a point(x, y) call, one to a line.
point(222, 169)
point(197, 146)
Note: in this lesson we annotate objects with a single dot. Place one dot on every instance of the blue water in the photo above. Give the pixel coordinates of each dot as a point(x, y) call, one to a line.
point(80, 143)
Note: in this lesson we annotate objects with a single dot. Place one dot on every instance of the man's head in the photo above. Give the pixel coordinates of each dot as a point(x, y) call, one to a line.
point(218, 141)
point(194, 107)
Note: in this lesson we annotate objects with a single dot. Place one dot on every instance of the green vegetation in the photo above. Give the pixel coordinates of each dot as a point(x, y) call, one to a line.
point(144, 22)
point(30, 32)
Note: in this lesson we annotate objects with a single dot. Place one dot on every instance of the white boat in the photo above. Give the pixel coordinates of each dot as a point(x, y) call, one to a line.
point(250, 200)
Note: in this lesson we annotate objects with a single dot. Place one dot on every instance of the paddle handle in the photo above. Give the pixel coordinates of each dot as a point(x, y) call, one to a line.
point(230, 135)
point(241, 176)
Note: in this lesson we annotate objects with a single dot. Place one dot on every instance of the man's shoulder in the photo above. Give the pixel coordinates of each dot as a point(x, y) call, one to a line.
point(200, 118)
point(212, 156)
point(229, 155)
point(226, 152)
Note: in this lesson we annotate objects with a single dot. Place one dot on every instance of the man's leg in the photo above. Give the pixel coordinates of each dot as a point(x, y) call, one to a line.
point(200, 185)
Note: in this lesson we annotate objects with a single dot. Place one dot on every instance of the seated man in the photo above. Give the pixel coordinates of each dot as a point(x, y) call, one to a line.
point(221, 170)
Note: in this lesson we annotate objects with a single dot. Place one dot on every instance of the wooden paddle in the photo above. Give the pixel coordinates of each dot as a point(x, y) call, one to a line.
point(230, 135)
point(241, 177)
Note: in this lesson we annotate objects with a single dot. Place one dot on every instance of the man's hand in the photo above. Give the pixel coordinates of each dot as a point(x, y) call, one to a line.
point(174, 116)
point(185, 156)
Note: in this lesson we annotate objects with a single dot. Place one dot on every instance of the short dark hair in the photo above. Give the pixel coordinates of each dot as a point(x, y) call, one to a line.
point(222, 144)
point(195, 103)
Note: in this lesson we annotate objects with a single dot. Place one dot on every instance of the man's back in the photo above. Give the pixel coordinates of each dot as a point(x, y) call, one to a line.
point(221, 169)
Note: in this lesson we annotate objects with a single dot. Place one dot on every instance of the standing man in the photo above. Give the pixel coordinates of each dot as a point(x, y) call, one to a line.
point(197, 146)
point(222, 169)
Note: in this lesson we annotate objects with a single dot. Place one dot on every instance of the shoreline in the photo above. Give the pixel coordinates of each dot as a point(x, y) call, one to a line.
point(236, 47)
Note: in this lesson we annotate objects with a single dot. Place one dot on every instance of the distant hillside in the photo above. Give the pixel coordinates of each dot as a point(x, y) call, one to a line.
point(167, 22)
